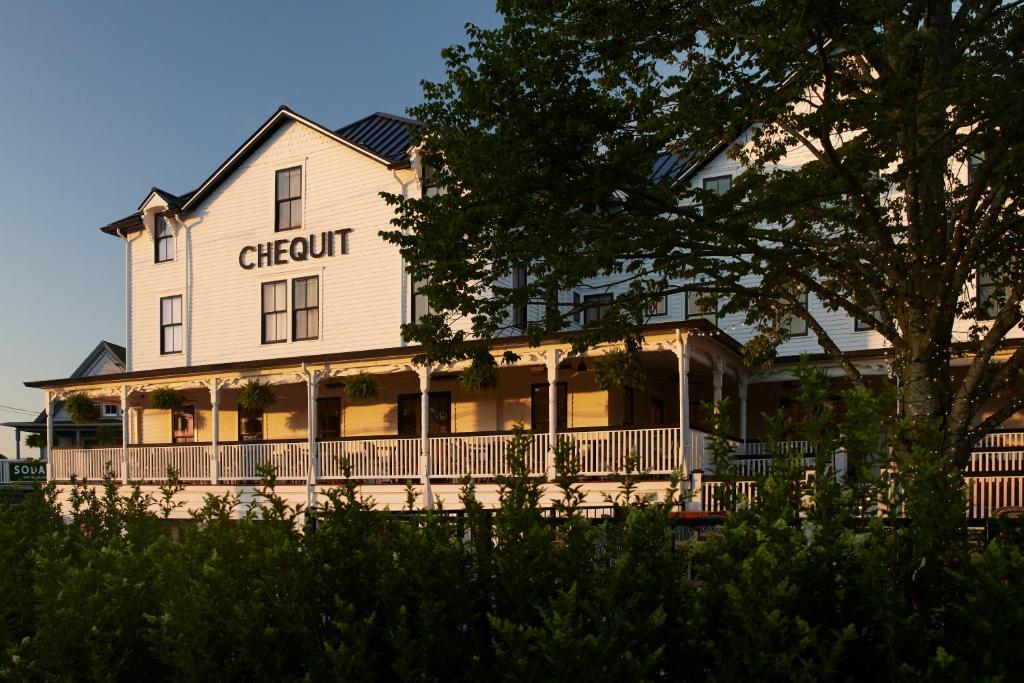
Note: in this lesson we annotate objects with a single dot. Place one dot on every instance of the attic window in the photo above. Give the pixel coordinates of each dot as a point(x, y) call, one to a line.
point(289, 199)
point(164, 245)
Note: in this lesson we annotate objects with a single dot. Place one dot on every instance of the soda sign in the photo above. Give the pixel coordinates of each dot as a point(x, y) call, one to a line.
point(31, 470)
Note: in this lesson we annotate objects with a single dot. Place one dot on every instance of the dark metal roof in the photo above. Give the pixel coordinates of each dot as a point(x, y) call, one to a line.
point(385, 135)
point(671, 165)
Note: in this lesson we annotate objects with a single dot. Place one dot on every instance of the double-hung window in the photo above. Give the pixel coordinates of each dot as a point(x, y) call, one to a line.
point(170, 324)
point(659, 306)
point(990, 296)
point(305, 308)
point(797, 326)
point(596, 307)
point(519, 309)
point(702, 305)
point(164, 244)
point(718, 184)
point(420, 304)
point(275, 312)
point(289, 199)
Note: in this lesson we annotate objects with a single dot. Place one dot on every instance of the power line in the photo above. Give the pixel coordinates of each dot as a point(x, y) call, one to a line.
point(20, 410)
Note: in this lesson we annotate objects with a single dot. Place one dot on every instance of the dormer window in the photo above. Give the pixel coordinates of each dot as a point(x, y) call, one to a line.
point(164, 245)
point(289, 199)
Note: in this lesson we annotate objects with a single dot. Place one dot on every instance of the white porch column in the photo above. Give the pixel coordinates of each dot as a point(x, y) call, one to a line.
point(682, 351)
point(553, 358)
point(125, 395)
point(48, 449)
point(743, 414)
point(312, 392)
point(428, 495)
point(717, 377)
point(214, 387)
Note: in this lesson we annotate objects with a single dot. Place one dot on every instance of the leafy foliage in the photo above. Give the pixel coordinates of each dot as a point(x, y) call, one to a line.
point(878, 155)
point(36, 440)
point(482, 374)
point(361, 387)
point(166, 398)
point(621, 368)
point(81, 408)
point(256, 396)
point(796, 583)
point(107, 435)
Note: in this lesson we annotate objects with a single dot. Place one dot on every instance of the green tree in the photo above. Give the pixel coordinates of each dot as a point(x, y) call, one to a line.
point(544, 134)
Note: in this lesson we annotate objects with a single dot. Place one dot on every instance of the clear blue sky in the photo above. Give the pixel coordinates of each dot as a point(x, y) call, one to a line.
point(101, 101)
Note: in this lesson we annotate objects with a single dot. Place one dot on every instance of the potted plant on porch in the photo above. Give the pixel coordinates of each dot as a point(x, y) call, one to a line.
point(165, 398)
point(361, 387)
point(81, 409)
point(254, 398)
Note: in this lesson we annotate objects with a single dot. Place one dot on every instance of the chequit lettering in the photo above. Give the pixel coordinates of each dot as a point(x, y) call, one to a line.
point(302, 248)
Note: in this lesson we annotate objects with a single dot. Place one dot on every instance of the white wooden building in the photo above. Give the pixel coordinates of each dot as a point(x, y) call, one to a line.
point(273, 269)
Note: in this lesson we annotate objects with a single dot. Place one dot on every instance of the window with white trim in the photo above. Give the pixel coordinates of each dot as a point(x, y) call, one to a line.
point(702, 305)
point(163, 245)
point(596, 307)
point(718, 184)
point(275, 312)
point(306, 308)
point(288, 199)
point(170, 325)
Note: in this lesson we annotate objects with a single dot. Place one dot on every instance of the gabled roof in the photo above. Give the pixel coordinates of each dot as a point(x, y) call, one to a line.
point(116, 353)
point(385, 138)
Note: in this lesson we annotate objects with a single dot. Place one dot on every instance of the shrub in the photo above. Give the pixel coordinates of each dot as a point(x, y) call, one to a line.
point(36, 440)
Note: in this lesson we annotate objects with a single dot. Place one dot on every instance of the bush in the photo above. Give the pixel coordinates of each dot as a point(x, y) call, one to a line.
point(797, 584)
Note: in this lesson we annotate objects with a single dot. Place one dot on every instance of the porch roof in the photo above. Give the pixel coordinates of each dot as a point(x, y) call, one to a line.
point(699, 325)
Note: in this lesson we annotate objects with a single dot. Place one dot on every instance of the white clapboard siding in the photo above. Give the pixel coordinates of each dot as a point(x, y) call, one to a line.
point(361, 303)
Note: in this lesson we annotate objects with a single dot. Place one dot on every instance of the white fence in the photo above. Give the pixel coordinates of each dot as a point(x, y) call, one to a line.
point(243, 461)
point(485, 455)
point(85, 463)
point(1001, 440)
point(381, 459)
point(150, 463)
point(605, 452)
point(746, 491)
point(987, 496)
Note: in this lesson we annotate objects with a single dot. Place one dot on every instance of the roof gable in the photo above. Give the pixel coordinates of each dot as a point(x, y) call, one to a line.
point(385, 138)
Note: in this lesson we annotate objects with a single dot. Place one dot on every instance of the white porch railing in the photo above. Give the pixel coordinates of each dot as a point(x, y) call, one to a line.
point(749, 467)
point(242, 461)
point(1001, 440)
point(453, 457)
point(85, 463)
point(996, 461)
point(746, 491)
point(370, 458)
point(603, 452)
point(150, 463)
point(989, 495)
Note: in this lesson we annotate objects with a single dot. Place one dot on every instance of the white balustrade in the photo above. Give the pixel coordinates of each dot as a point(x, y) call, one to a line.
point(453, 457)
point(996, 461)
point(746, 491)
point(85, 463)
point(242, 461)
point(604, 452)
point(150, 463)
point(1001, 440)
point(761, 448)
point(989, 495)
point(370, 459)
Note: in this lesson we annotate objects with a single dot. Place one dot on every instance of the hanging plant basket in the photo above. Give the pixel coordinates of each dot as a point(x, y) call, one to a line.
point(256, 396)
point(81, 409)
point(482, 374)
point(166, 399)
point(361, 387)
point(620, 368)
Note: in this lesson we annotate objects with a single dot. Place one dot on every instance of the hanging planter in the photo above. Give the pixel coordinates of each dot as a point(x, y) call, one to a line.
point(361, 387)
point(620, 368)
point(482, 374)
point(81, 409)
point(256, 396)
point(166, 399)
